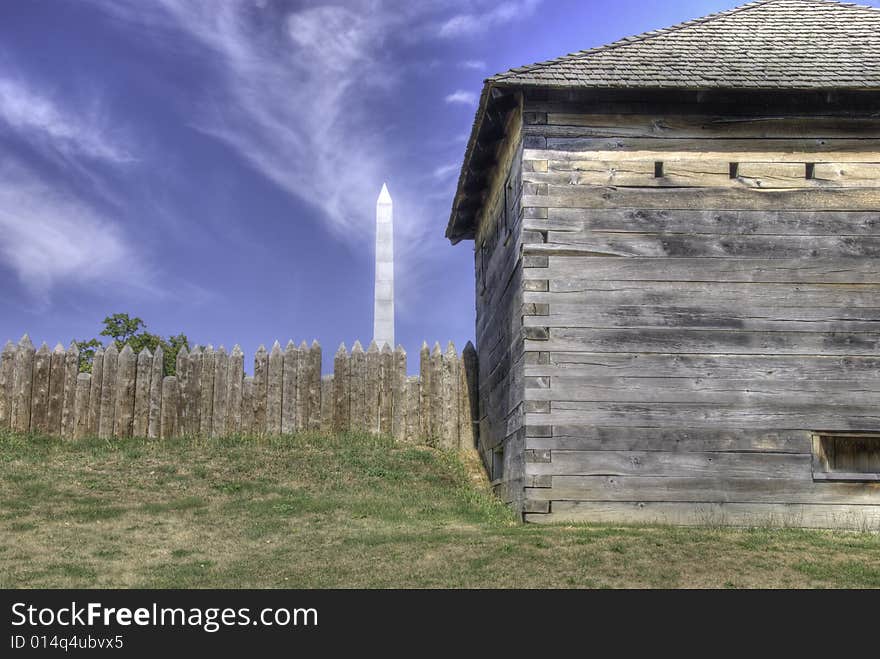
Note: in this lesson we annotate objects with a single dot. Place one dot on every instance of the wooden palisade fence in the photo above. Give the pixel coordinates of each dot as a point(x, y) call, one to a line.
point(127, 395)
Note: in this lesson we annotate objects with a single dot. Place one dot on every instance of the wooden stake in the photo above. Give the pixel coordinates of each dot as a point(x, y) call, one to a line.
point(154, 424)
point(274, 390)
point(95, 388)
point(341, 390)
point(141, 418)
point(68, 406)
point(234, 391)
point(124, 396)
point(288, 389)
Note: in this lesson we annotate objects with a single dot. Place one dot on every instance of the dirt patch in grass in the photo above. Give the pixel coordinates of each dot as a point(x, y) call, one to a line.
point(349, 511)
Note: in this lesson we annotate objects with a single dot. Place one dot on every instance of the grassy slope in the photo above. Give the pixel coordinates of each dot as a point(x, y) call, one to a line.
point(312, 511)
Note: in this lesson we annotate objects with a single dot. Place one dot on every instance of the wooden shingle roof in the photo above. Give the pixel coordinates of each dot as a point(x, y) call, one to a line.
point(765, 45)
point(769, 44)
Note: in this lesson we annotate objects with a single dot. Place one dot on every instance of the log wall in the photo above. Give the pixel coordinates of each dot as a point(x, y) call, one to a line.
point(499, 296)
point(700, 293)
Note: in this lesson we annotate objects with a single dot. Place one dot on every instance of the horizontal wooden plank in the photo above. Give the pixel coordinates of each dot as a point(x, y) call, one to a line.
point(729, 104)
point(710, 127)
point(681, 172)
point(700, 489)
point(821, 368)
point(612, 150)
point(677, 245)
point(568, 271)
point(741, 392)
point(697, 415)
point(852, 173)
point(822, 516)
point(598, 438)
point(566, 296)
point(767, 222)
point(571, 139)
point(675, 464)
point(696, 316)
point(690, 341)
point(712, 198)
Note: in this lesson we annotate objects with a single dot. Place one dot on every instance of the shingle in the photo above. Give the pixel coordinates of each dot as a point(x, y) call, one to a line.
point(796, 44)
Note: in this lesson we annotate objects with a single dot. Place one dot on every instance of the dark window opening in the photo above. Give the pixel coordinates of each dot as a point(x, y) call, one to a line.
point(734, 170)
point(498, 464)
point(658, 169)
point(846, 456)
point(810, 171)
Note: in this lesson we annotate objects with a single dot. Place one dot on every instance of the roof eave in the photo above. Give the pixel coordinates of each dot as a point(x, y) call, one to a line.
point(452, 234)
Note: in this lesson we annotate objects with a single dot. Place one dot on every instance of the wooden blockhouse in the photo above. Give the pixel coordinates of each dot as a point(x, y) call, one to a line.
point(677, 278)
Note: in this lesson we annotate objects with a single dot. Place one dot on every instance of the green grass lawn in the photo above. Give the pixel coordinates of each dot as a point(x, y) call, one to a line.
point(313, 512)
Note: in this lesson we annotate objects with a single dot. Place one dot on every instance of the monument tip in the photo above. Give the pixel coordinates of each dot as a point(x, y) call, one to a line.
point(384, 197)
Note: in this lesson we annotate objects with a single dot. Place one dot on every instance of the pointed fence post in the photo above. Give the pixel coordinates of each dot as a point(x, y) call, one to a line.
point(468, 396)
point(124, 399)
point(247, 406)
point(357, 369)
point(7, 379)
point(56, 390)
point(194, 396)
point(81, 406)
point(413, 424)
point(451, 378)
point(325, 425)
point(386, 374)
point(315, 386)
point(436, 395)
point(23, 384)
point(302, 388)
point(108, 392)
point(40, 401)
point(233, 391)
point(424, 394)
point(221, 375)
point(206, 395)
point(157, 373)
point(371, 389)
point(288, 388)
point(261, 390)
point(183, 373)
point(170, 400)
point(68, 406)
point(398, 395)
point(141, 418)
point(274, 390)
point(341, 393)
point(95, 388)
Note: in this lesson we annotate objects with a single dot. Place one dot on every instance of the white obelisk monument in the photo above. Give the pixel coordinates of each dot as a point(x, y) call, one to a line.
point(383, 309)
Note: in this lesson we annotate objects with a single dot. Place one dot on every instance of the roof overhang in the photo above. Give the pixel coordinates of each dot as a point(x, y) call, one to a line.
point(487, 133)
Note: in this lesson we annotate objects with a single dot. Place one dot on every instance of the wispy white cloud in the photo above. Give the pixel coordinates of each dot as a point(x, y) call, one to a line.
point(299, 96)
point(48, 237)
point(461, 96)
point(473, 64)
point(475, 22)
point(446, 171)
point(285, 98)
point(45, 122)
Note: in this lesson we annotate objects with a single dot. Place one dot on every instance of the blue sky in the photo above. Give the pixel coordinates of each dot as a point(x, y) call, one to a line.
point(213, 166)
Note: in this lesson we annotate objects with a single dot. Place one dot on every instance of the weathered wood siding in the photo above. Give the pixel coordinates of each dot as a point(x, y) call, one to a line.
point(499, 297)
point(700, 292)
